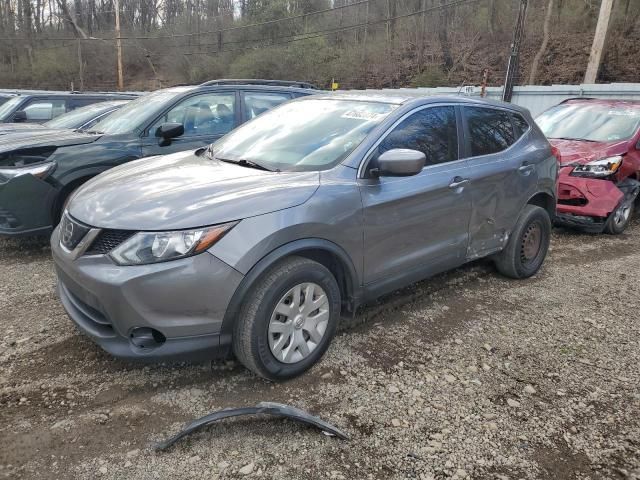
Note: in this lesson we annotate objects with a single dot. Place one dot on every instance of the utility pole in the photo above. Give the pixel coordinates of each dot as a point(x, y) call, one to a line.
point(599, 40)
point(119, 47)
point(514, 55)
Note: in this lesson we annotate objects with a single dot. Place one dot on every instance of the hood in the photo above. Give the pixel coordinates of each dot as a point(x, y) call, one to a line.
point(48, 138)
point(581, 151)
point(6, 128)
point(186, 190)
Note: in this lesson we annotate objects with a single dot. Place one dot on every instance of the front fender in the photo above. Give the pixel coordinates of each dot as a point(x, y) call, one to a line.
point(274, 256)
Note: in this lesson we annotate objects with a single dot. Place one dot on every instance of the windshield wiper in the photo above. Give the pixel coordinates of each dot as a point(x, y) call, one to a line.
point(246, 163)
point(574, 139)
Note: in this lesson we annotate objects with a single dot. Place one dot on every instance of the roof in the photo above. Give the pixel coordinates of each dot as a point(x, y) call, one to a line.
point(604, 101)
point(404, 96)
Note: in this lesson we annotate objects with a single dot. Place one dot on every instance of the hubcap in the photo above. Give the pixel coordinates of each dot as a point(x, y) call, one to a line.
point(531, 242)
point(298, 323)
point(622, 214)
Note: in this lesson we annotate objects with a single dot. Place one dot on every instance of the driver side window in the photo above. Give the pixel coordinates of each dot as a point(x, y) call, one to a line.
point(209, 114)
point(432, 131)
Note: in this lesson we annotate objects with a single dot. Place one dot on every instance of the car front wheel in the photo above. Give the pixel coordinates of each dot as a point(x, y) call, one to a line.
point(288, 319)
point(619, 219)
point(527, 248)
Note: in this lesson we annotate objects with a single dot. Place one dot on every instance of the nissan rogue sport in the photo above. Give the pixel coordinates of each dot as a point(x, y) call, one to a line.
point(258, 243)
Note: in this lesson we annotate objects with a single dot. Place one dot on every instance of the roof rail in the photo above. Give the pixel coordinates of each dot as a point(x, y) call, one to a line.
point(258, 81)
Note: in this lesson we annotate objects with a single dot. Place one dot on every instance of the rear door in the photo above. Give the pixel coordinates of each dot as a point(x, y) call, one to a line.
point(417, 225)
point(206, 117)
point(502, 171)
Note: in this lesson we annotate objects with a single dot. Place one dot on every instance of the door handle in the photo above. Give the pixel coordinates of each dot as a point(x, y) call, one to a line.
point(526, 168)
point(458, 182)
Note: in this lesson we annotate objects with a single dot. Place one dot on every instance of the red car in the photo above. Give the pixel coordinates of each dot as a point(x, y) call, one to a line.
point(598, 145)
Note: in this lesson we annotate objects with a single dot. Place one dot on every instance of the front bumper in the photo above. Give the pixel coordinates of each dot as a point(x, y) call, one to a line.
point(587, 203)
point(183, 300)
point(26, 206)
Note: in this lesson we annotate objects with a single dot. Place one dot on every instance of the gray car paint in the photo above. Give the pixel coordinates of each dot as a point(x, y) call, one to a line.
point(185, 190)
point(389, 232)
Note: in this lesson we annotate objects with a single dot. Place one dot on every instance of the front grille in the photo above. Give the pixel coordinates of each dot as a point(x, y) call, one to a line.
point(71, 232)
point(107, 240)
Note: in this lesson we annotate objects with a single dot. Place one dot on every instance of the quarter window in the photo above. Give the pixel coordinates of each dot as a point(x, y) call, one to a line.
point(211, 114)
point(490, 130)
point(520, 125)
point(432, 131)
point(256, 103)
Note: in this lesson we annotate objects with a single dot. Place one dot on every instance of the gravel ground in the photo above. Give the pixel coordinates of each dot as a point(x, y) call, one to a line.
point(468, 375)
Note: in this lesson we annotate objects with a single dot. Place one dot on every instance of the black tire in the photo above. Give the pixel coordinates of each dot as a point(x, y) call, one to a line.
point(251, 330)
point(524, 254)
point(619, 219)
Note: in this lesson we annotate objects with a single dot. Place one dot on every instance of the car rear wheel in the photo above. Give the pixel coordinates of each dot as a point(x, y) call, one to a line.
point(527, 248)
point(619, 219)
point(288, 319)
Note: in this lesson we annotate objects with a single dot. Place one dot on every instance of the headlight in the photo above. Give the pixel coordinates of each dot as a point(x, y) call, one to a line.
point(153, 247)
point(40, 170)
point(598, 168)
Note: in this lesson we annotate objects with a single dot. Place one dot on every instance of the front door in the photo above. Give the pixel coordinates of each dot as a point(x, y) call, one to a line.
point(206, 117)
point(417, 225)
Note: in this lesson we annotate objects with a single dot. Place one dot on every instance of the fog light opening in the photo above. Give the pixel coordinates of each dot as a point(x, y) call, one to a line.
point(146, 338)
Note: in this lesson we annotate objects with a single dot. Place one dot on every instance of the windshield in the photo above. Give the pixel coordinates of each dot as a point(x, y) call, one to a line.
point(78, 117)
point(306, 135)
point(7, 107)
point(595, 122)
point(133, 117)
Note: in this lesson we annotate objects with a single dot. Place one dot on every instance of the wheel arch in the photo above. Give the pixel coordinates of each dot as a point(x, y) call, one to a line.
point(325, 252)
point(544, 200)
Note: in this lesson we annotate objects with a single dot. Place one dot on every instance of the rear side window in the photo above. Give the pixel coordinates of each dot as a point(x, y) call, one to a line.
point(490, 130)
point(432, 131)
point(520, 125)
point(256, 103)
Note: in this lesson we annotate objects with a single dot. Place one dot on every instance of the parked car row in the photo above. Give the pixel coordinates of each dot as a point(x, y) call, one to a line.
point(40, 106)
point(269, 209)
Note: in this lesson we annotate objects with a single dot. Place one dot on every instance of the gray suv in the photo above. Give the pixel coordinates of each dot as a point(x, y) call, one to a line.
point(258, 243)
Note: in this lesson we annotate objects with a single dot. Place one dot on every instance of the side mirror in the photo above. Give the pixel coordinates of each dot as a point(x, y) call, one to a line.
point(167, 131)
point(20, 116)
point(400, 162)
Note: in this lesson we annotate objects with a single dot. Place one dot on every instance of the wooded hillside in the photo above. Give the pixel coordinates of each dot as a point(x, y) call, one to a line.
point(360, 43)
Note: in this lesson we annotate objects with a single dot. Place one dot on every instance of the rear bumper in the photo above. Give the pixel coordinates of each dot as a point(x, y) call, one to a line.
point(26, 206)
point(183, 302)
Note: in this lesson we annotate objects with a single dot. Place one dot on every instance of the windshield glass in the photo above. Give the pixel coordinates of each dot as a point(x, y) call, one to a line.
point(7, 107)
point(133, 117)
point(78, 117)
point(596, 122)
point(311, 134)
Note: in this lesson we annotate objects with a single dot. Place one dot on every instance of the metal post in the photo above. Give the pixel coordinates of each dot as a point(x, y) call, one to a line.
point(512, 66)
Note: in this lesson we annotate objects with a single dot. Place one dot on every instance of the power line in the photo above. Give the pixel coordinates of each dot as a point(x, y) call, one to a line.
point(319, 33)
point(195, 34)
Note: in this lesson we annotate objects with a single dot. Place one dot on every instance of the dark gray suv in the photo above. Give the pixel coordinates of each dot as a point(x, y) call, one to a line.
point(258, 243)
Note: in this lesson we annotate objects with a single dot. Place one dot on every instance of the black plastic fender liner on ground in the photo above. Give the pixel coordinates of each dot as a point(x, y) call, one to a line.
point(263, 408)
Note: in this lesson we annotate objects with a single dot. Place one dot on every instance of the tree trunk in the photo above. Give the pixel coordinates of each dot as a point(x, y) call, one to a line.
point(543, 45)
point(443, 36)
